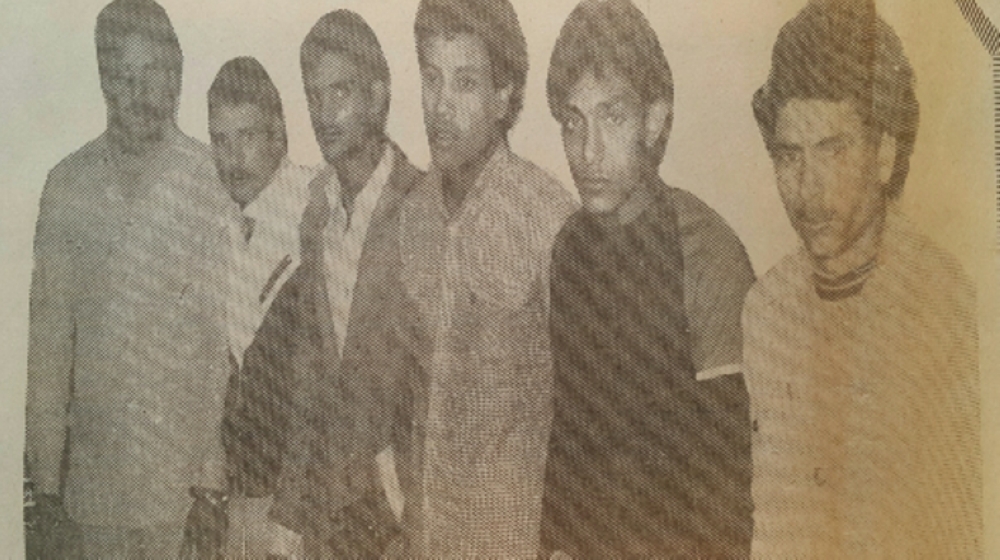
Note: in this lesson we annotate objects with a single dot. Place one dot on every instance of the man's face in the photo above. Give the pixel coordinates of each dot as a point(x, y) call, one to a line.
point(604, 134)
point(343, 110)
point(247, 145)
point(139, 80)
point(829, 173)
point(462, 107)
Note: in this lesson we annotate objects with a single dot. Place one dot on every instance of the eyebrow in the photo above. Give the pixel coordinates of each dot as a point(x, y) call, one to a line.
point(822, 143)
point(602, 106)
point(616, 100)
point(831, 140)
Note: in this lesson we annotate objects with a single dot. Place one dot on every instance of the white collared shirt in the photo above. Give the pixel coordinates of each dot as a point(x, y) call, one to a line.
point(261, 265)
point(344, 239)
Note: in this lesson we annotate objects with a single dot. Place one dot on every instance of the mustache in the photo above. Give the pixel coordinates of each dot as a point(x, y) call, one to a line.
point(442, 130)
point(235, 175)
point(814, 215)
point(329, 131)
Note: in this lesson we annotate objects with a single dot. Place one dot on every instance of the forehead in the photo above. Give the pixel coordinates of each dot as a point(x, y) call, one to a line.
point(807, 121)
point(225, 117)
point(459, 50)
point(331, 67)
point(595, 89)
point(135, 50)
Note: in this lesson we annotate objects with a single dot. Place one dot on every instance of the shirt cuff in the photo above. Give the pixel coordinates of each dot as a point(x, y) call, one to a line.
point(719, 371)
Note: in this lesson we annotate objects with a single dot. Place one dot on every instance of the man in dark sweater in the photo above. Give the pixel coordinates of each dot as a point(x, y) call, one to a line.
point(650, 448)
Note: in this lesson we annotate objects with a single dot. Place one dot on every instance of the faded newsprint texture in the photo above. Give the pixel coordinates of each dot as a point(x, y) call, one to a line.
point(499, 278)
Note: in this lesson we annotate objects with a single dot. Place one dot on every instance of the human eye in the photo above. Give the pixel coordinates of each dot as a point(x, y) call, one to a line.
point(616, 117)
point(834, 147)
point(467, 83)
point(429, 77)
point(571, 123)
point(312, 96)
point(784, 156)
point(341, 91)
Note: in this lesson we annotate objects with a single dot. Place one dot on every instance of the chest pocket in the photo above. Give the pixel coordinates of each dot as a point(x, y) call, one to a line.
point(497, 252)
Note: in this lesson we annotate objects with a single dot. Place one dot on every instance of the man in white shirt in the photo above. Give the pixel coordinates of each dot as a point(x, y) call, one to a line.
point(126, 357)
point(249, 146)
point(332, 501)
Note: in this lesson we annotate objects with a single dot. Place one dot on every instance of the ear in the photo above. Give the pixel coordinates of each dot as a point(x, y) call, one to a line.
point(380, 97)
point(503, 101)
point(659, 119)
point(886, 157)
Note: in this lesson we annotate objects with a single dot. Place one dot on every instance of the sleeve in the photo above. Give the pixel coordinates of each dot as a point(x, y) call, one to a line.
point(292, 488)
point(958, 465)
point(776, 516)
point(208, 207)
point(717, 276)
point(50, 340)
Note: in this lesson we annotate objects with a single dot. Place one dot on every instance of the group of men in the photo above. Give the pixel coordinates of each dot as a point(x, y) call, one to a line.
point(233, 355)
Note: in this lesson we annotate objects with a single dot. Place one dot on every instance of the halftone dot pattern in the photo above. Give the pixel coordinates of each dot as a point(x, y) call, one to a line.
point(865, 409)
point(645, 459)
point(988, 34)
point(477, 287)
point(127, 331)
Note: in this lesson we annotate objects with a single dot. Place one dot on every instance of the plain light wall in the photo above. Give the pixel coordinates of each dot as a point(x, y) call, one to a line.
point(719, 50)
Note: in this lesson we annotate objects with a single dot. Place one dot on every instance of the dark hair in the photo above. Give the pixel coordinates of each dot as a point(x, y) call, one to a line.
point(345, 32)
point(841, 50)
point(142, 17)
point(244, 80)
point(605, 36)
point(496, 23)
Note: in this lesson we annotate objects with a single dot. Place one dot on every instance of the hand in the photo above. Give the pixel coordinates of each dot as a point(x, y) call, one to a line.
point(49, 532)
point(46, 514)
point(285, 544)
point(206, 526)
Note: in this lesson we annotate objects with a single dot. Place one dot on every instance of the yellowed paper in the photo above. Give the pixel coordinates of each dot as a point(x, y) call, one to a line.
point(719, 51)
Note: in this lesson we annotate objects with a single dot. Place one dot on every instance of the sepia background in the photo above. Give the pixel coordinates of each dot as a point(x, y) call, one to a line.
point(719, 50)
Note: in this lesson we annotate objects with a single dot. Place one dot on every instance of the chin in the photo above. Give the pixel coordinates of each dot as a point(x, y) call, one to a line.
point(445, 160)
point(822, 248)
point(599, 205)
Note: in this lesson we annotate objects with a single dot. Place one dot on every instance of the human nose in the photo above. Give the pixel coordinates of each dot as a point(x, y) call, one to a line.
point(593, 144)
point(442, 101)
point(234, 153)
point(811, 177)
point(326, 109)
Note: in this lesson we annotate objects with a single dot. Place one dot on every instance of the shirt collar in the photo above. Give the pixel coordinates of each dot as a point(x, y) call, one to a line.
point(367, 199)
point(497, 161)
point(273, 195)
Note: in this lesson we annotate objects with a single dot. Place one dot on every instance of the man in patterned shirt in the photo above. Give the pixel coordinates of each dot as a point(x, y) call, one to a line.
point(469, 369)
point(127, 348)
point(861, 348)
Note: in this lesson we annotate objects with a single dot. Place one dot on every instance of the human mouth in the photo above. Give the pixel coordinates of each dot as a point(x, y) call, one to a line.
point(237, 178)
point(592, 185)
point(329, 136)
point(443, 137)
